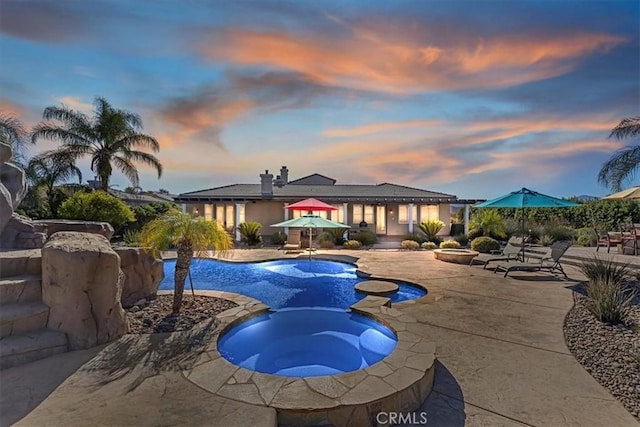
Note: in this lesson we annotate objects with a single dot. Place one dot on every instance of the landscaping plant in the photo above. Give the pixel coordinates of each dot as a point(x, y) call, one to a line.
point(418, 237)
point(449, 244)
point(411, 245)
point(188, 235)
point(250, 232)
point(367, 238)
point(352, 244)
point(278, 238)
point(610, 296)
point(429, 246)
point(431, 227)
point(97, 206)
point(489, 222)
point(485, 244)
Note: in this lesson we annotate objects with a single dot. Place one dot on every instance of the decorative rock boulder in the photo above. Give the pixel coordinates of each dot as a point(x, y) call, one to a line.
point(14, 180)
point(82, 285)
point(21, 233)
point(95, 227)
point(143, 275)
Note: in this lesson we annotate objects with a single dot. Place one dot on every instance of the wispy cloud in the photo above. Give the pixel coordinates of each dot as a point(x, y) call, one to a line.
point(379, 127)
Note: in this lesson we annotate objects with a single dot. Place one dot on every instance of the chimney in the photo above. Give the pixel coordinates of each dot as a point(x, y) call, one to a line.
point(266, 184)
point(284, 175)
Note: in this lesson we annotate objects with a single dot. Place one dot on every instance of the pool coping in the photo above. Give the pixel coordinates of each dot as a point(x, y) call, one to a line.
point(400, 382)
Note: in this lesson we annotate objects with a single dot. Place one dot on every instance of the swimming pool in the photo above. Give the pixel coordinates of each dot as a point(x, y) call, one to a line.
point(284, 283)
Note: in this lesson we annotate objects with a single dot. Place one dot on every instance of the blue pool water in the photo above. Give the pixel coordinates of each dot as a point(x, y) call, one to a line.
point(284, 283)
point(307, 342)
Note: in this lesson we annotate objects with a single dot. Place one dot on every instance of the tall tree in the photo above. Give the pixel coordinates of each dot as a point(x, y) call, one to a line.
point(624, 163)
point(110, 138)
point(48, 170)
point(13, 133)
point(188, 235)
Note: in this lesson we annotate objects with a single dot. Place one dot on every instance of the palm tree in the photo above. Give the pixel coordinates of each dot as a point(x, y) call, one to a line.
point(489, 221)
point(109, 138)
point(188, 235)
point(13, 133)
point(49, 169)
point(624, 163)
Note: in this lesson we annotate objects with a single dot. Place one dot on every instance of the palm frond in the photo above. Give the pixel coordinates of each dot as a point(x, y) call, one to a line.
point(140, 140)
point(65, 136)
point(145, 158)
point(620, 168)
point(128, 169)
point(71, 118)
point(627, 128)
point(13, 133)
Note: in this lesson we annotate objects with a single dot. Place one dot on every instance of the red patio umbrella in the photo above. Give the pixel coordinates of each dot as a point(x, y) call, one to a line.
point(311, 205)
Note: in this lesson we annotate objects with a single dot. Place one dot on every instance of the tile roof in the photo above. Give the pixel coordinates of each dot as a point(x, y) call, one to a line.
point(328, 193)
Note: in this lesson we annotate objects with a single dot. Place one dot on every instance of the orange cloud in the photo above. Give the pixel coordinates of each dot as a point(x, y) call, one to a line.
point(11, 108)
point(373, 60)
point(379, 127)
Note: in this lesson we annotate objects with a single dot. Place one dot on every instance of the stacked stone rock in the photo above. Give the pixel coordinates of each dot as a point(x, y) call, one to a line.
point(16, 232)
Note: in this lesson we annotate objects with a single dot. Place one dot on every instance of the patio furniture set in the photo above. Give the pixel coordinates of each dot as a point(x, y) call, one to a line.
point(626, 241)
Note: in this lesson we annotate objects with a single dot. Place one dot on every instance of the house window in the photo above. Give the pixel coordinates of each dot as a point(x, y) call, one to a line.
point(368, 214)
point(429, 212)
point(358, 214)
point(208, 212)
point(403, 214)
point(220, 214)
point(228, 217)
point(338, 214)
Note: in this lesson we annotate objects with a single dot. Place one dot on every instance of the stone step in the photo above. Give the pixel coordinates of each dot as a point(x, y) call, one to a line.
point(31, 346)
point(17, 262)
point(17, 289)
point(22, 317)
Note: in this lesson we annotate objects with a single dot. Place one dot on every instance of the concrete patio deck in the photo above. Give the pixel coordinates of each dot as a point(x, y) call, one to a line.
point(502, 360)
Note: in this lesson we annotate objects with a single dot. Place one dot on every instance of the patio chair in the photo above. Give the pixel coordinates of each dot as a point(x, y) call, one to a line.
point(551, 262)
point(607, 239)
point(629, 238)
point(511, 252)
point(292, 245)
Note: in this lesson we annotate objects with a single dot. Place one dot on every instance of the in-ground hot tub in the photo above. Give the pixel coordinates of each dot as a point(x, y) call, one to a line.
point(457, 256)
point(307, 342)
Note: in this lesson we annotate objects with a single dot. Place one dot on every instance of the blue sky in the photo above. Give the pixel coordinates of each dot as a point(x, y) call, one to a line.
point(470, 98)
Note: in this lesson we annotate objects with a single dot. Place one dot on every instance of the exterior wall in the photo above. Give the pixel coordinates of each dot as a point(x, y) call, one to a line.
point(266, 212)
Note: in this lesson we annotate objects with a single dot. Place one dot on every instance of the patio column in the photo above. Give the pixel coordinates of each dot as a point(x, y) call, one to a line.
point(345, 215)
point(237, 221)
point(410, 217)
point(286, 217)
point(466, 219)
point(184, 207)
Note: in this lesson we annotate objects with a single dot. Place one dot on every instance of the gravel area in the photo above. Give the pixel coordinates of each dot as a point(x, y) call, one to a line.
point(610, 353)
point(155, 316)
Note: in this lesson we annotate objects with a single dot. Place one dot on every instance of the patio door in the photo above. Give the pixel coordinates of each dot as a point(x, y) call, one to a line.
point(381, 219)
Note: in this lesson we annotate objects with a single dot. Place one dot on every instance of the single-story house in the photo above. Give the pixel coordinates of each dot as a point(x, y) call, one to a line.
point(387, 209)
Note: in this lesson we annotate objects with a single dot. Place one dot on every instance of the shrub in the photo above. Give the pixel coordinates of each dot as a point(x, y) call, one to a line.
point(352, 244)
point(610, 297)
point(337, 234)
point(131, 238)
point(560, 232)
point(97, 206)
point(429, 246)
point(411, 245)
point(147, 213)
point(250, 232)
point(431, 227)
point(546, 240)
point(485, 244)
point(449, 244)
point(278, 238)
point(586, 237)
point(326, 244)
point(366, 238)
point(463, 239)
point(415, 236)
point(437, 240)
point(490, 222)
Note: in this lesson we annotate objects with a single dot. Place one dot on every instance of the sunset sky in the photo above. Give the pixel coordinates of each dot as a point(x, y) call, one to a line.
point(474, 98)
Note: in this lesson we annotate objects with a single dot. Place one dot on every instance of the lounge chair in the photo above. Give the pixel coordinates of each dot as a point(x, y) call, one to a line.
point(608, 239)
point(511, 252)
point(292, 245)
point(551, 262)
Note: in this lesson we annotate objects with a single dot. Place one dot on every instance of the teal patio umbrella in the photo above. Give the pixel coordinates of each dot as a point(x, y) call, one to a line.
point(525, 198)
point(310, 222)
